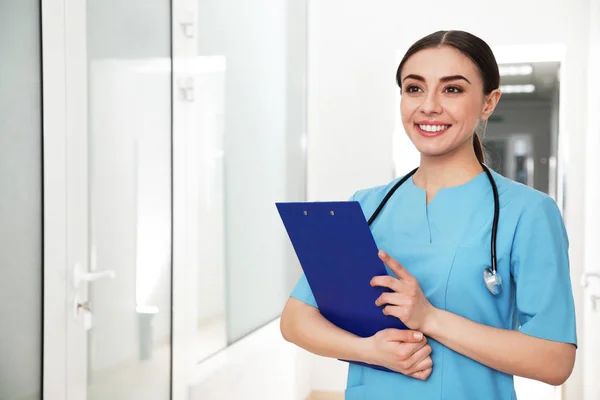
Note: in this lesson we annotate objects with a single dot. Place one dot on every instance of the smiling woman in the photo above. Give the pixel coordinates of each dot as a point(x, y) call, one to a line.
point(466, 88)
point(435, 234)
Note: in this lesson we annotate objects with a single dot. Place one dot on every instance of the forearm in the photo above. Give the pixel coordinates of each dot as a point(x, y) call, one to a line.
point(509, 351)
point(304, 326)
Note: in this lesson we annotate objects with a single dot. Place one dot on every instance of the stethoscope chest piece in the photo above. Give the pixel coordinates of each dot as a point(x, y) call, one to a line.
point(493, 281)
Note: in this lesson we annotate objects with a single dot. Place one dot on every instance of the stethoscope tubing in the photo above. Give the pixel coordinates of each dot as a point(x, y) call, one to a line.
point(495, 286)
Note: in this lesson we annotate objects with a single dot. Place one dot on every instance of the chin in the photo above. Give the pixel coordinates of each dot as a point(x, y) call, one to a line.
point(435, 147)
point(432, 150)
point(432, 154)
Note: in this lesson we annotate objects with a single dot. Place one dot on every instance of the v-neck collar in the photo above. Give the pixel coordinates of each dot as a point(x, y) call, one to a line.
point(447, 216)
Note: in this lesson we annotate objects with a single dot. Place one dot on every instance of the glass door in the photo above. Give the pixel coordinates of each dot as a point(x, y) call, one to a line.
point(107, 151)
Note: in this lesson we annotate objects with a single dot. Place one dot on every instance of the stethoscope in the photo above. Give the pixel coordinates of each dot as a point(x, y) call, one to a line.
point(492, 280)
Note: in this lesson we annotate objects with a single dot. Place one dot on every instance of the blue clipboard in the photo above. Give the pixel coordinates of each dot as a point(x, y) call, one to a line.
point(338, 255)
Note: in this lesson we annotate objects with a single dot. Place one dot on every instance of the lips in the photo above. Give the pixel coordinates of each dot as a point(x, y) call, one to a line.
point(432, 129)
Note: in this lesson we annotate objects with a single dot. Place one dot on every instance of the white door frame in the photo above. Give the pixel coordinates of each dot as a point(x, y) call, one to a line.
point(55, 199)
point(184, 282)
point(77, 177)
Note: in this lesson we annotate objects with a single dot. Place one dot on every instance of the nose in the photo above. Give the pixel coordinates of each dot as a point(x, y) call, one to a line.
point(431, 104)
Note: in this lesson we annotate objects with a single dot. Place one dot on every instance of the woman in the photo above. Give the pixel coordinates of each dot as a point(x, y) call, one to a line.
point(434, 234)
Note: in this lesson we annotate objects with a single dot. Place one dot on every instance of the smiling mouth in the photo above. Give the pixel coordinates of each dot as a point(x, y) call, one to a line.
point(431, 130)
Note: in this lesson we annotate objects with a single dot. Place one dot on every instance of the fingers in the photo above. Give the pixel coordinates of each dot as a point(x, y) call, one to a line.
point(387, 281)
point(404, 335)
point(391, 282)
point(422, 375)
point(395, 266)
point(404, 353)
point(420, 360)
point(392, 298)
point(424, 365)
point(395, 311)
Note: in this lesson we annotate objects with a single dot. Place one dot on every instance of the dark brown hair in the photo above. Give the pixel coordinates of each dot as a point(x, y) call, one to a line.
point(474, 48)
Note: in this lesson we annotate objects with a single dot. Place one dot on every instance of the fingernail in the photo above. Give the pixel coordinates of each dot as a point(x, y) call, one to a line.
point(382, 253)
point(418, 335)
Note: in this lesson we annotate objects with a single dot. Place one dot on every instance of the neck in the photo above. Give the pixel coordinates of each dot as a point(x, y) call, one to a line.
point(454, 169)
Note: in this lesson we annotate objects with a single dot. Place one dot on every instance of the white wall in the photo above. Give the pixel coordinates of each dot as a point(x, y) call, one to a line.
point(351, 68)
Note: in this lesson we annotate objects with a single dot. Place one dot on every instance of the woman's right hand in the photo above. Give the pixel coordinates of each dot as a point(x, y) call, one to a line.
point(395, 349)
point(403, 351)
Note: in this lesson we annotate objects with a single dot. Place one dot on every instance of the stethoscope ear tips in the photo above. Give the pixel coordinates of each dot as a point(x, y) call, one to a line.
point(492, 281)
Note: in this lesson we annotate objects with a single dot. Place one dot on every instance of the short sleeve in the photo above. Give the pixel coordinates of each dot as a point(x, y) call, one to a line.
point(541, 272)
point(302, 290)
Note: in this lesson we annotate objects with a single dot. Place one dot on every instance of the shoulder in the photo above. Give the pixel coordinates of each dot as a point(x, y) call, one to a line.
point(369, 198)
point(520, 198)
point(530, 209)
point(375, 193)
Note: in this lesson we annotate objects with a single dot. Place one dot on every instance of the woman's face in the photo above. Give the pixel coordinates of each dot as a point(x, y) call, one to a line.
point(443, 101)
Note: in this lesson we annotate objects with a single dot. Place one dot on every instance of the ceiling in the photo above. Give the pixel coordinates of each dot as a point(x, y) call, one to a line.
point(544, 77)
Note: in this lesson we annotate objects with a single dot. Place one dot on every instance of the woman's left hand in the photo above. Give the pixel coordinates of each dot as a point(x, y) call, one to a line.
point(407, 301)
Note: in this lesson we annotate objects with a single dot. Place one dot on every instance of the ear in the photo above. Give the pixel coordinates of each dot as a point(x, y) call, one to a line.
point(491, 101)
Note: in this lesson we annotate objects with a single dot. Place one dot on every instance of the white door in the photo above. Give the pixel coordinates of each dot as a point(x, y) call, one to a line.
point(107, 199)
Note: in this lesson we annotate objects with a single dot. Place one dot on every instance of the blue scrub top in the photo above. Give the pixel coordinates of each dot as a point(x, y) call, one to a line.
point(446, 245)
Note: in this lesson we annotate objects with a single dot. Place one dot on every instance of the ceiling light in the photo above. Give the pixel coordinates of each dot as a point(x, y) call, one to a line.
point(517, 88)
point(515, 70)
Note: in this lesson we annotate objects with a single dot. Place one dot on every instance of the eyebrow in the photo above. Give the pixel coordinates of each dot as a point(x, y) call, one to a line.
point(443, 79)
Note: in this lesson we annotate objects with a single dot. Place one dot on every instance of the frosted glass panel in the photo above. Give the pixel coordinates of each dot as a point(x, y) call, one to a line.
point(263, 48)
point(129, 151)
point(20, 202)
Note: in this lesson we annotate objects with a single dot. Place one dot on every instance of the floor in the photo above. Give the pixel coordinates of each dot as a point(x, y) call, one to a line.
point(326, 396)
point(150, 379)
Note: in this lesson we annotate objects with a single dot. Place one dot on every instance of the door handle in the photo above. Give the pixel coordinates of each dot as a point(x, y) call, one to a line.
point(81, 276)
point(585, 278)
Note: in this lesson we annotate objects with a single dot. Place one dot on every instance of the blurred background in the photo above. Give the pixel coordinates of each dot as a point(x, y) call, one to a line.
point(143, 144)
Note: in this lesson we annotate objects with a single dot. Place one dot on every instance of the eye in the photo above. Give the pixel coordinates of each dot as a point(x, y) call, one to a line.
point(412, 89)
point(453, 89)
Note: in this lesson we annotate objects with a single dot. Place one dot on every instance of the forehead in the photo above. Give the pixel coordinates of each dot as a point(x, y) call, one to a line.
point(436, 63)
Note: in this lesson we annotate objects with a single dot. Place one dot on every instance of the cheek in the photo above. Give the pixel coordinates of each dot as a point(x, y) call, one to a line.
point(465, 113)
point(407, 110)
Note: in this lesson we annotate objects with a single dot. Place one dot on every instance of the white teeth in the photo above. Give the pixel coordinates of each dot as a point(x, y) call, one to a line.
point(433, 128)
